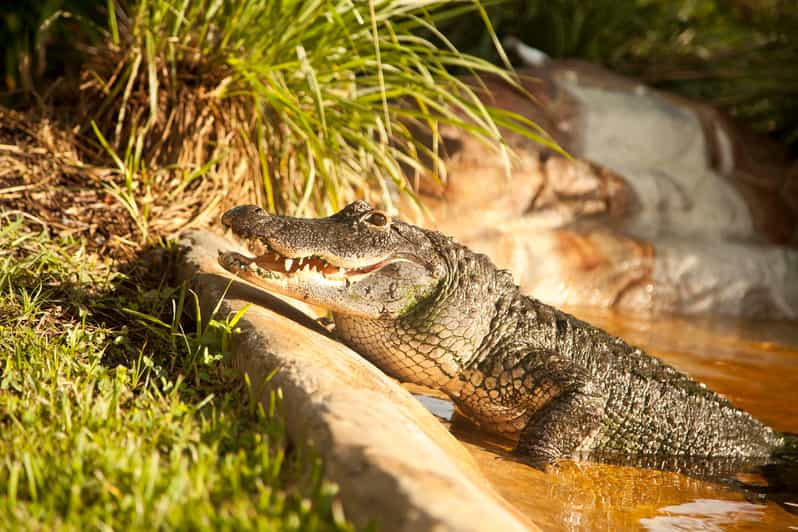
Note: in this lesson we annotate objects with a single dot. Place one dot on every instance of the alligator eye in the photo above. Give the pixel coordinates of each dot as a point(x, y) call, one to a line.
point(377, 219)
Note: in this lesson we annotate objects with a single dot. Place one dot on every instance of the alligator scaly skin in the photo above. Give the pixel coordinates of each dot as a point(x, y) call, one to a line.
point(514, 365)
point(557, 383)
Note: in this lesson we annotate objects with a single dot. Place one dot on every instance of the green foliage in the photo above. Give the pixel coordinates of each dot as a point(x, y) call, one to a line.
point(328, 90)
point(135, 425)
point(738, 54)
point(312, 102)
point(561, 28)
point(743, 58)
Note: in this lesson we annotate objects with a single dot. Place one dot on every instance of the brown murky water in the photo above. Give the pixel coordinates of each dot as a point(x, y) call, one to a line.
point(755, 364)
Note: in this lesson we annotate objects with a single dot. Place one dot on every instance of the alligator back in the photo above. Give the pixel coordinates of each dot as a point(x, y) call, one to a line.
point(639, 405)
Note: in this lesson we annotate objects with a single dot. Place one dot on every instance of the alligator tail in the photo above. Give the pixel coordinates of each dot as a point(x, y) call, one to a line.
point(788, 451)
point(781, 474)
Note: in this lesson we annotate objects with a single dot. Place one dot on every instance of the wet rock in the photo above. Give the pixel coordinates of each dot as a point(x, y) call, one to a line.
point(393, 461)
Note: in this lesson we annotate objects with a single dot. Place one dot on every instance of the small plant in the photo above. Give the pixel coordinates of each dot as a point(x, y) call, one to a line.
point(306, 103)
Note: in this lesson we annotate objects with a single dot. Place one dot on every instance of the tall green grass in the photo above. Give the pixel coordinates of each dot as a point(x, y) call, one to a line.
point(326, 91)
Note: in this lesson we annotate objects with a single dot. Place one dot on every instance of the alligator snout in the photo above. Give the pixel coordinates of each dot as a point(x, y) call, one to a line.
point(242, 213)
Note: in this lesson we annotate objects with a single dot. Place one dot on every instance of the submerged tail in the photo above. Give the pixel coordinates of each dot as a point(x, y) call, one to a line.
point(781, 474)
point(788, 452)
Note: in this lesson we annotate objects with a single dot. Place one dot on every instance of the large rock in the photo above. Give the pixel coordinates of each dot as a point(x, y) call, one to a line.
point(666, 206)
point(394, 462)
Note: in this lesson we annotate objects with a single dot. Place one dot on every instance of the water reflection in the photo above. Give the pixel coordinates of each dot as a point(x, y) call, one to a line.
point(754, 364)
point(703, 514)
point(441, 408)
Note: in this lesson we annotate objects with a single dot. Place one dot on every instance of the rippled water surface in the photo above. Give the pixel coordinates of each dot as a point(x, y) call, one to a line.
point(755, 364)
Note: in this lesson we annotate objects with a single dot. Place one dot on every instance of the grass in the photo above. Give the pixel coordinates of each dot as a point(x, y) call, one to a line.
point(114, 417)
point(311, 104)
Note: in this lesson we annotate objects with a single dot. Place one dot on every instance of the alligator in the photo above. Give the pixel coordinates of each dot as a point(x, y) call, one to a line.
point(428, 310)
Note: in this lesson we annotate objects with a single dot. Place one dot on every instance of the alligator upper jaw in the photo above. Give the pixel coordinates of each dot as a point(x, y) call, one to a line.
point(267, 264)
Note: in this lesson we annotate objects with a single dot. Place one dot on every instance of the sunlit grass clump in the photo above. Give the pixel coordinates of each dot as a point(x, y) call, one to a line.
point(308, 103)
point(111, 418)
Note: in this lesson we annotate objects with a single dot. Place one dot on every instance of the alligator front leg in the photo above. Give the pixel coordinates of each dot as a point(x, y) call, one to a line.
point(570, 416)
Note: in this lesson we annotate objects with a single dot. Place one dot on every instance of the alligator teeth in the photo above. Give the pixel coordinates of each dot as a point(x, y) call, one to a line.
point(255, 246)
point(288, 263)
point(307, 268)
point(301, 260)
point(342, 271)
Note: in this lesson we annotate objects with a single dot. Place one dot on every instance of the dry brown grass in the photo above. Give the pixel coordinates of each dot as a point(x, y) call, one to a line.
point(55, 177)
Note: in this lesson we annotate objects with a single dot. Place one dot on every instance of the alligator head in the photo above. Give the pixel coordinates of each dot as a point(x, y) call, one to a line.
point(358, 261)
